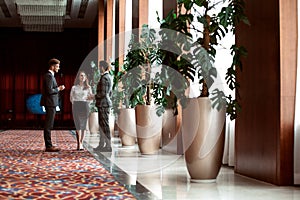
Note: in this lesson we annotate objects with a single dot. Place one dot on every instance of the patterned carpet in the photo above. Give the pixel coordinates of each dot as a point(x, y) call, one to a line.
point(27, 172)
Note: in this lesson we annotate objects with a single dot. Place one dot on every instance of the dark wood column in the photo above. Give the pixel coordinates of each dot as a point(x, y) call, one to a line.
point(143, 12)
point(105, 29)
point(168, 6)
point(135, 14)
point(109, 29)
point(265, 126)
point(101, 28)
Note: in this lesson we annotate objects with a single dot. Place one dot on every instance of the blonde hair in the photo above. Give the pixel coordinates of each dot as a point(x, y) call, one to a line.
point(85, 83)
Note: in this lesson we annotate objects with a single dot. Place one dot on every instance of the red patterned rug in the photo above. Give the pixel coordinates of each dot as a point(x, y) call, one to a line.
point(27, 172)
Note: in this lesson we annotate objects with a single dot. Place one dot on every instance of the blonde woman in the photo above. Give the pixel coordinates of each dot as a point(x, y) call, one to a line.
point(80, 97)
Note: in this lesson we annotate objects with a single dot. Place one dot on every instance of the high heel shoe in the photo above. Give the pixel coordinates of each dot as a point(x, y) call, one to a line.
point(81, 147)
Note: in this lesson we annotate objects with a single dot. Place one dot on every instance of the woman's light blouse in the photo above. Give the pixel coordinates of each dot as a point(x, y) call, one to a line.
point(80, 94)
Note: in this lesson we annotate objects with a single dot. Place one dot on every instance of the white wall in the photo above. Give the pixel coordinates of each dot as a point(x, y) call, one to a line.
point(153, 7)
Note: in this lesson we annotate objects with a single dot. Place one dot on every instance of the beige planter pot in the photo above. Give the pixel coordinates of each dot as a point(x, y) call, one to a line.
point(171, 132)
point(93, 123)
point(127, 126)
point(112, 125)
point(203, 139)
point(148, 129)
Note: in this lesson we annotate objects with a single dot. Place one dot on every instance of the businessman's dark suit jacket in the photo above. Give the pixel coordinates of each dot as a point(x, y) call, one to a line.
point(103, 103)
point(50, 91)
point(49, 99)
point(104, 88)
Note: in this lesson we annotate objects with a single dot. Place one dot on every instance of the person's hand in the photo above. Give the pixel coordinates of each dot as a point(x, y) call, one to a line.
point(61, 87)
point(90, 97)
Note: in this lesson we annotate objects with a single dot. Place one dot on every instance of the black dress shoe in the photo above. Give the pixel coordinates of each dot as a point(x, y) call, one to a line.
point(107, 149)
point(52, 149)
point(102, 149)
point(97, 148)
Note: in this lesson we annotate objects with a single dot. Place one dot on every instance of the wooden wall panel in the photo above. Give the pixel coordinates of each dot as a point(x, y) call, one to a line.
point(263, 128)
point(122, 17)
point(105, 29)
point(288, 67)
point(135, 14)
point(109, 31)
point(168, 6)
point(101, 30)
point(143, 12)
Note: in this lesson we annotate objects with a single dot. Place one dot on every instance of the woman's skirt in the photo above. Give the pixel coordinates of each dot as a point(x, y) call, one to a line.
point(80, 114)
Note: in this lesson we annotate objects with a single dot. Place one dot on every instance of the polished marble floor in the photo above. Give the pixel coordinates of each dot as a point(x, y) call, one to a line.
point(164, 176)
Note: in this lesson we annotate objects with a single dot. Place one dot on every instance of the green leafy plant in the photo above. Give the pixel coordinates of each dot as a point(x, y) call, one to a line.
point(122, 89)
point(214, 25)
point(139, 84)
point(94, 79)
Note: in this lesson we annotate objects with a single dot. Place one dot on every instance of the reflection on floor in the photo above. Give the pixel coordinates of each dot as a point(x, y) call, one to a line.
point(164, 176)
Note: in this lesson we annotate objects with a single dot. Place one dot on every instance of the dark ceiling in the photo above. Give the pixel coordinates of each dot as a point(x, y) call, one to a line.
point(76, 13)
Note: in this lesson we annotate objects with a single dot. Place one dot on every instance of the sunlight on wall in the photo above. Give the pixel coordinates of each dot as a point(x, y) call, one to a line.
point(155, 6)
point(223, 57)
point(297, 117)
point(128, 23)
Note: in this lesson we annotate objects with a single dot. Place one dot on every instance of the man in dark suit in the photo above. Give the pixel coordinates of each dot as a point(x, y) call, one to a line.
point(49, 100)
point(103, 103)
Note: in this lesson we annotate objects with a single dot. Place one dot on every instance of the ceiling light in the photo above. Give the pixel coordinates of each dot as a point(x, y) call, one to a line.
point(42, 15)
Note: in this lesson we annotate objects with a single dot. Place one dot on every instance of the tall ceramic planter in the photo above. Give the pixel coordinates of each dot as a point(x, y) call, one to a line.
point(203, 139)
point(112, 124)
point(93, 124)
point(171, 132)
point(148, 129)
point(127, 126)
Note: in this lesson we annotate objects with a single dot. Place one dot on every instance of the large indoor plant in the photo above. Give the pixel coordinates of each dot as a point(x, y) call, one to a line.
point(123, 107)
point(94, 77)
point(214, 27)
point(194, 59)
point(145, 91)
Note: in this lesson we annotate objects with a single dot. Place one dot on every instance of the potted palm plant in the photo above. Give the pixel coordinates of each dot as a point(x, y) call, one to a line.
point(122, 105)
point(142, 87)
point(93, 118)
point(195, 60)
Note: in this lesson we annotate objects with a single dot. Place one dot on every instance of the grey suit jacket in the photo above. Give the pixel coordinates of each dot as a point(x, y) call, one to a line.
point(49, 91)
point(103, 94)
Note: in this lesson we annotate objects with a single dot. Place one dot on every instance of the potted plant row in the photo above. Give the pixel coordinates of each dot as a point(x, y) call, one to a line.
point(94, 75)
point(138, 86)
point(176, 51)
point(123, 107)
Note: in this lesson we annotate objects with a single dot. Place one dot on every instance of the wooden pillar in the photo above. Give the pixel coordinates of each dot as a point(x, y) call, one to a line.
point(168, 6)
point(143, 12)
point(265, 127)
point(101, 27)
point(288, 71)
point(105, 29)
point(135, 14)
point(121, 30)
point(109, 30)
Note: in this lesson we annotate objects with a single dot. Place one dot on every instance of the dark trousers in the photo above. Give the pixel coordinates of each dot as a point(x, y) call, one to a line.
point(103, 117)
point(49, 122)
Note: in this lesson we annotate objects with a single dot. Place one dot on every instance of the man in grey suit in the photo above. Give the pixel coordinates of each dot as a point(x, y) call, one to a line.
point(49, 100)
point(103, 103)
